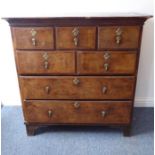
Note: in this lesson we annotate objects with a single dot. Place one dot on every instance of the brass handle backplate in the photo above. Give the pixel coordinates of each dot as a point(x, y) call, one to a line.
point(33, 32)
point(45, 56)
point(50, 113)
point(77, 105)
point(106, 55)
point(118, 37)
point(76, 81)
point(47, 89)
point(104, 89)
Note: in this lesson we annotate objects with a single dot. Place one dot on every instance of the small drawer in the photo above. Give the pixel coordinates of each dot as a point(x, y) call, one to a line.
point(33, 37)
point(75, 37)
point(45, 62)
point(78, 112)
point(77, 87)
point(108, 62)
point(118, 37)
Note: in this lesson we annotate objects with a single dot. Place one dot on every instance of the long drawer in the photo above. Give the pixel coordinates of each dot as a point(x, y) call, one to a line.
point(97, 112)
point(77, 87)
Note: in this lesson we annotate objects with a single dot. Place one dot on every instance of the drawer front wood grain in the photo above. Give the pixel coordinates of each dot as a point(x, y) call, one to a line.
point(46, 62)
point(33, 37)
point(94, 112)
point(72, 87)
point(108, 62)
point(75, 37)
point(118, 37)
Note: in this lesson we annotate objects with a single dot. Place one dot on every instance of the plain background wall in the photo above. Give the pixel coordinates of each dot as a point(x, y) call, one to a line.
point(9, 92)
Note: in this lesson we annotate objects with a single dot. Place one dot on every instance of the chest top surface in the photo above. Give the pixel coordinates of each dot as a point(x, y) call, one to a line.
point(85, 19)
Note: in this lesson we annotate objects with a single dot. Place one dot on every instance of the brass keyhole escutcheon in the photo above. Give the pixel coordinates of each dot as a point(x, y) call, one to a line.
point(77, 105)
point(106, 55)
point(76, 81)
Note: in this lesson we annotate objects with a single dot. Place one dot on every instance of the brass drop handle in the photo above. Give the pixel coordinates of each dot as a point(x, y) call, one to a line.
point(33, 34)
point(47, 89)
point(76, 81)
point(103, 113)
point(77, 105)
point(46, 65)
point(75, 32)
point(104, 89)
point(33, 41)
point(75, 41)
point(118, 37)
point(50, 113)
point(45, 57)
point(106, 66)
point(118, 40)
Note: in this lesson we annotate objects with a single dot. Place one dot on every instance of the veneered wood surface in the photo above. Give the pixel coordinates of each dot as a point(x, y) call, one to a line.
point(87, 112)
point(129, 37)
point(88, 87)
point(23, 38)
point(65, 38)
point(33, 62)
point(119, 62)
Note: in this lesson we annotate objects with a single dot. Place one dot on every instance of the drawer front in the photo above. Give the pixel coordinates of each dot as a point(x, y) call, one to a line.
point(77, 87)
point(49, 62)
point(75, 37)
point(78, 112)
point(33, 37)
point(110, 62)
point(118, 37)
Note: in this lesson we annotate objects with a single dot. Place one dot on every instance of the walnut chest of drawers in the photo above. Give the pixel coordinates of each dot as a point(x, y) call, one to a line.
point(77, 71)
